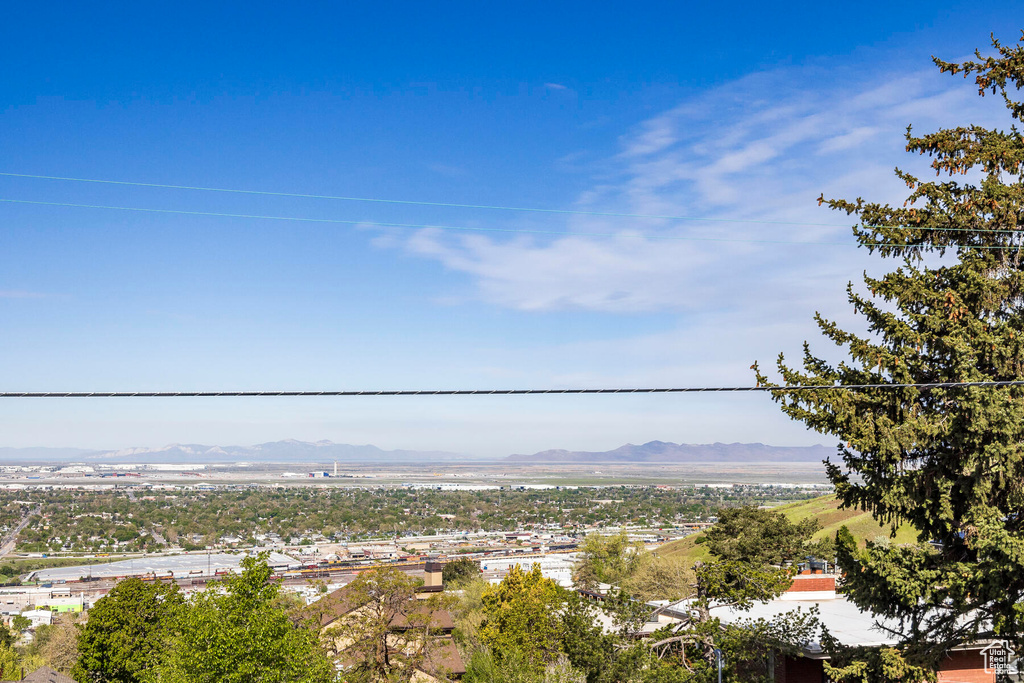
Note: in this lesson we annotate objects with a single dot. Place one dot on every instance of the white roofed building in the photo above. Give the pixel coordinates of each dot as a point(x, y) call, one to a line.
point(845, 622)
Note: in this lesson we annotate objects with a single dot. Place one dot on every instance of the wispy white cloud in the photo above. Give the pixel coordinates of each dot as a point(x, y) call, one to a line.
point(654, 136)
point(760, 149)
point(848, 140)
point(570, 273)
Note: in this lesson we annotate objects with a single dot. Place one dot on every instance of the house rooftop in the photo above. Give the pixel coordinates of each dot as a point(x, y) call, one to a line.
point(846, 622)
point(334, 606)
point(47, 675)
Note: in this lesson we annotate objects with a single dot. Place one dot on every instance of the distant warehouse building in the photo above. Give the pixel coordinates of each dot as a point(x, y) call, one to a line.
point(558, 568)
point(162, 566)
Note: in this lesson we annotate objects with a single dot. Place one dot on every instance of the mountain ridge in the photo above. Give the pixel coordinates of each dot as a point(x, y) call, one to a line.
point(285, 451)
point(294, 451)
point(668, 452)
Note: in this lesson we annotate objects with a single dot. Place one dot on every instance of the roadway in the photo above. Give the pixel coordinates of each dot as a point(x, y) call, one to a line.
point(11, 540)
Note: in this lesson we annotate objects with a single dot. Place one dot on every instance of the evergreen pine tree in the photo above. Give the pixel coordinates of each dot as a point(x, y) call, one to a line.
point(948, 461)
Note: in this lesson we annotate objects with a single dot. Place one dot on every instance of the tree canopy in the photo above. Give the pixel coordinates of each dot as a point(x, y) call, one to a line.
point(457, 572)
point(127, 630)
point(235, 633)
point(948, 460)
point(605, 559)
point(759, 537)
point(387, 634)
point(522, 615)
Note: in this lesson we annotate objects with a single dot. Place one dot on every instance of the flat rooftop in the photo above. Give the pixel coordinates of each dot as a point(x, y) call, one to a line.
point(181, 566)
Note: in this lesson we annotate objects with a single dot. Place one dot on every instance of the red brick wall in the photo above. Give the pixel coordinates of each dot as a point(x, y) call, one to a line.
point(814, 583)
point(964, 666)
point(798, 670)
point(961, 666)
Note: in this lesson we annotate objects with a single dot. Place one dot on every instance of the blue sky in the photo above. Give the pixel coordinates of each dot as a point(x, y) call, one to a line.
point(675, 109)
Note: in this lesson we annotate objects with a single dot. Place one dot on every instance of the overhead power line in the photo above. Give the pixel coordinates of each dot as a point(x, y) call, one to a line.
point(412, 202)
point(455, 205)
point(416, 226)
point(469, 228)
point(500, 392)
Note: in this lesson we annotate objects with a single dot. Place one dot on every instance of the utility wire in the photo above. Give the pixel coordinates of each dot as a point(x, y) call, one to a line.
point(410, 202)
point(417, 226)
point(467, 228)
point(490, 207)
point(500, 392)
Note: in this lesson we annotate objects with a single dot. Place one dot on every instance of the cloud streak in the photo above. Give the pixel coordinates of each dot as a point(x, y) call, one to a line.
point(761, 148)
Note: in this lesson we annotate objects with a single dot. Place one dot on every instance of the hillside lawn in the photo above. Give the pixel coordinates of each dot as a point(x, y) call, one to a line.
point(829, 516)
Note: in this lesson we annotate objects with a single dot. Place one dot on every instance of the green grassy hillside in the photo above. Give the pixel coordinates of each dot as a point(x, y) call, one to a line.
point(825, 510)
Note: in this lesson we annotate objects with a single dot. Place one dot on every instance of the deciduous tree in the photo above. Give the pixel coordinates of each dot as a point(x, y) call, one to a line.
point(126, 633)
point(522, 615)
point(60, 649)
point(387, 634)
point(458, 572)
point(7, 637)
point(653, 577)
point(235, 633)
point(605, 559)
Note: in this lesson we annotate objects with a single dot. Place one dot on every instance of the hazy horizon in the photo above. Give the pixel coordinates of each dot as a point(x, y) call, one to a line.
point(730, 124)
point(6, 451)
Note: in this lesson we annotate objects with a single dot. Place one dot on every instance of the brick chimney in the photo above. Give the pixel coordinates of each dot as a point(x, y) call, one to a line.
point(811, 587)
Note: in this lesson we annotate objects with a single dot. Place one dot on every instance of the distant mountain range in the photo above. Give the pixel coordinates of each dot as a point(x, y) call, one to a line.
point(668, 452)
point(291, 451)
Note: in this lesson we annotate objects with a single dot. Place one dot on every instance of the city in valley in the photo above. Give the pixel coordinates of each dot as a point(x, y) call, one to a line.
point(184, 521)
point(74, 532)
point(476, 342)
